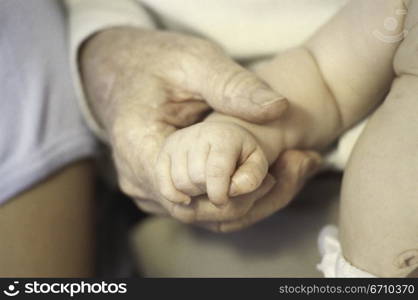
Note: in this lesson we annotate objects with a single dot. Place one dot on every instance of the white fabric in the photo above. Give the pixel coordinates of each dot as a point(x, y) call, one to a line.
point(333, 264)
point(245, 28)
point(338, 157)
point(41, 128)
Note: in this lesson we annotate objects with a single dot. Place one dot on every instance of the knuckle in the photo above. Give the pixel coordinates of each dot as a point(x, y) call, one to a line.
point(187, 187)
point(196, 173)
point(239, 82)
point(198, 179)
point(197, 48)
point(181, 183)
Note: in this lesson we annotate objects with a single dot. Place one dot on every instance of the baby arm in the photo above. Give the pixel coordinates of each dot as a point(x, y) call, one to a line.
point(338, 76)
point(332, 82)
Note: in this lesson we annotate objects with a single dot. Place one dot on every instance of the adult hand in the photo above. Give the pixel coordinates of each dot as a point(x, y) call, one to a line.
point(142, 85)
point(292, 169)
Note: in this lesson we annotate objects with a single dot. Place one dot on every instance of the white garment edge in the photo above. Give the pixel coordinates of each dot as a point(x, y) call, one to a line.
point(87, 17)
point(333, 263)
point(18, 177)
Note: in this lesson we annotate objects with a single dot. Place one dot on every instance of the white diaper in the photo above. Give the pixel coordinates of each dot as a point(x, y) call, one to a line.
point(338, 157)
point(333, 263)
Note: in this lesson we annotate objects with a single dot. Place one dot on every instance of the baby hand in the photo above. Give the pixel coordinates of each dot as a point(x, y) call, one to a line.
point(218, 158)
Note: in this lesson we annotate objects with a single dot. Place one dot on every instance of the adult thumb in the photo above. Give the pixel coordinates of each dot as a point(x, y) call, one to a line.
point(231, 89)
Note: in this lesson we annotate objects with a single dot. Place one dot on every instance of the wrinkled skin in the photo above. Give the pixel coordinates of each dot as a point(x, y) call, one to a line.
point(144, 85)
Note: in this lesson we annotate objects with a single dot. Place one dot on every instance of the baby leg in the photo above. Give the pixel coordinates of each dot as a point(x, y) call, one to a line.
point(379, 204)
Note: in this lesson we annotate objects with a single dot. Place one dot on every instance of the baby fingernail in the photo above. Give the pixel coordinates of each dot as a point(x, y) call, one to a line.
point(307, 166)
point(220, 203)
point(233, 190)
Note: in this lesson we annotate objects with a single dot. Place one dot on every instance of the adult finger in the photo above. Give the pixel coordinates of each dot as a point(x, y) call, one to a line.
point(291, 170)
point(237, 207)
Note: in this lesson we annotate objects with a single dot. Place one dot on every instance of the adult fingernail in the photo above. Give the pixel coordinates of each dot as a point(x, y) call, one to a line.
point(220, 204)
point(266, 97)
